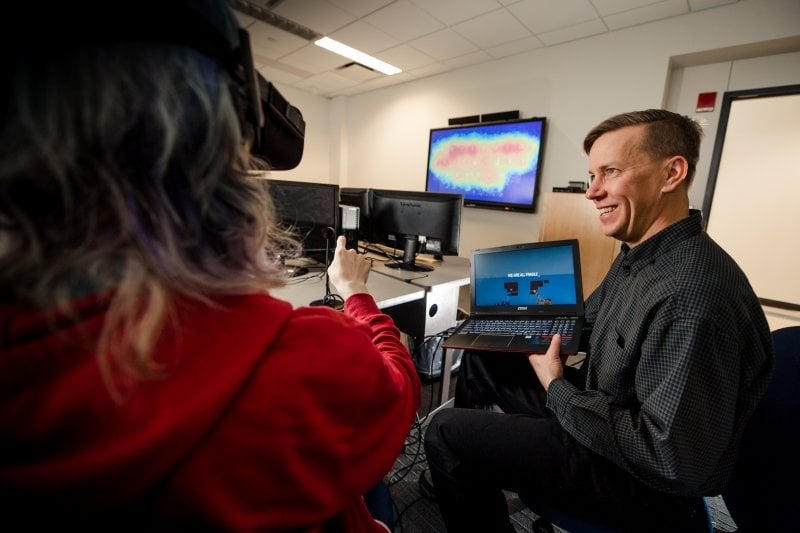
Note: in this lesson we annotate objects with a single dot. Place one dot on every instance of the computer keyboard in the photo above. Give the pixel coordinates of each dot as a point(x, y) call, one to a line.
point(538, 327)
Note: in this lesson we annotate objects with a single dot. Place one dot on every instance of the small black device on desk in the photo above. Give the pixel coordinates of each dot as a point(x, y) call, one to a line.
point(295, 271)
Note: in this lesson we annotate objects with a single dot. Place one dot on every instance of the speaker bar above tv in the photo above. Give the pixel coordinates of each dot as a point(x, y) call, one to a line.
point(486, 117)
point(503, 115)
point(471, 119)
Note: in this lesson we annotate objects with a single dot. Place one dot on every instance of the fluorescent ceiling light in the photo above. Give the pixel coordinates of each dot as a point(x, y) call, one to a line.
point(357, 56)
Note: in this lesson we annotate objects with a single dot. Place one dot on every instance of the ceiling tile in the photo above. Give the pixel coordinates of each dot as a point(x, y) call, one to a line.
point(642, 15)
point(377, 83)
point(273, 42)
point(609, 7)
point(405, 57)
point(429, 70)
point(444, 44)
point(360, 8)
point(279, 73)
point(384, 81)
point(404, 20)
point(545, 15)
point(428, 37)
point(515, 47)
point(469, 59)
point(318, 15)
point(454, 11)
point(325, 83)
point(315, 59)
point(492, 29)
point(288, 71)
point(698, 5)
point(365, 37)
point(357, 73)
point(572, 33)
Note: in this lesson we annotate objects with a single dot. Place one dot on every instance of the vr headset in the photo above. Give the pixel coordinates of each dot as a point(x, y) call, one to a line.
point(279, 128)
point(209, 26)
point(280, 138)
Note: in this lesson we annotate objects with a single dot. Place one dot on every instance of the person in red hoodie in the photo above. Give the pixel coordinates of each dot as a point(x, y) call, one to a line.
point(148, 379)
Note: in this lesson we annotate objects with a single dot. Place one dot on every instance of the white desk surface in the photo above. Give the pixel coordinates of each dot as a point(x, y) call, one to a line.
point(451, 270)
point(387, 291)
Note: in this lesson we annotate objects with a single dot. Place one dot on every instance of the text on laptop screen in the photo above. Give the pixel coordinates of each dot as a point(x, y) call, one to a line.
point(526, 278)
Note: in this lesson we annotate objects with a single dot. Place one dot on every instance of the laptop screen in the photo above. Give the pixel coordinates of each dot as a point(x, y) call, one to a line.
point(525, 279)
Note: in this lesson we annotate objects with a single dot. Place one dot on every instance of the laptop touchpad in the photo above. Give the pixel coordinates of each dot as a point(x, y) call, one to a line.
point(485, 340)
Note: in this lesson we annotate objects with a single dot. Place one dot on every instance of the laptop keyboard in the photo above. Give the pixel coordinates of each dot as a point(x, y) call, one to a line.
point(538, 327)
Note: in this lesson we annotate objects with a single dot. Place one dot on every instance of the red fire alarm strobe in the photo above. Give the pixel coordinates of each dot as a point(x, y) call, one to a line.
point(706, 102)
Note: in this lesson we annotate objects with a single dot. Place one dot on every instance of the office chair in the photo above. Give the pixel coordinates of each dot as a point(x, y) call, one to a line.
point(380, 505)
point(549, 516)
point(763, 495)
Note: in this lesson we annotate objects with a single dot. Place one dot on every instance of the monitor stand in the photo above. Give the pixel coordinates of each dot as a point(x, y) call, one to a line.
point(413, 267)
point(410, 250)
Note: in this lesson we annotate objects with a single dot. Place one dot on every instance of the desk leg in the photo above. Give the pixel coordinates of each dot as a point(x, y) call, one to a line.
point(447, 364)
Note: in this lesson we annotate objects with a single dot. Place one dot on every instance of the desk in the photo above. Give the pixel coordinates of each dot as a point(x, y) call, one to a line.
point(442, 289)
point(388, 292)
point(420, 303)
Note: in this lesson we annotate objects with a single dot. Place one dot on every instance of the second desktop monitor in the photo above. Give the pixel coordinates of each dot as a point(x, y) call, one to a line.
point(412, 221)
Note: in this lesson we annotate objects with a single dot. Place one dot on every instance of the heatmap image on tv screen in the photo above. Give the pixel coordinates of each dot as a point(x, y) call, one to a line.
point(491, 164)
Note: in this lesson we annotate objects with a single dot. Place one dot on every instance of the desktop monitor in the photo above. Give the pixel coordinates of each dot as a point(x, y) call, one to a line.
point(311, 210)
point(494, 165)
point(416, 222)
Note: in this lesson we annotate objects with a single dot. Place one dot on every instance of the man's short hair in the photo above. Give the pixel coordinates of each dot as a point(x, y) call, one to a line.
point(668, 134)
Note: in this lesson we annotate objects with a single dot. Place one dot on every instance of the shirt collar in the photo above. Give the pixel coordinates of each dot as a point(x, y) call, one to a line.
point(663, 241)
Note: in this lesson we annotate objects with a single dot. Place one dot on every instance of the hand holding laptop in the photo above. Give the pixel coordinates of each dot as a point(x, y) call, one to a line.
point(549, 365)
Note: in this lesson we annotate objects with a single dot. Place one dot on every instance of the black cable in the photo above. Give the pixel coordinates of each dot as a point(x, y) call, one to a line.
point(413, 452)
point(409, 461)
point(330, 299)
point(412, 448)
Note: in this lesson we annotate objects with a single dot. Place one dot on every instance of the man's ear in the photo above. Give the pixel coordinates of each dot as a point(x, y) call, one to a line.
point(676, 168)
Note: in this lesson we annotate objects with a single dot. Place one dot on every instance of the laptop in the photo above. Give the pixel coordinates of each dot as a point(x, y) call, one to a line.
point(520, 296)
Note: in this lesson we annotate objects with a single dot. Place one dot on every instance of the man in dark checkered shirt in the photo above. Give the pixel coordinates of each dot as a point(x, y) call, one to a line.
point(679, 354)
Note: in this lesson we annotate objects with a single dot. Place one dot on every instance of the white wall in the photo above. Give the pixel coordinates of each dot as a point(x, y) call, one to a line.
point(575, 85)
point(733, 75)
point(747, 73)
point(379, 138)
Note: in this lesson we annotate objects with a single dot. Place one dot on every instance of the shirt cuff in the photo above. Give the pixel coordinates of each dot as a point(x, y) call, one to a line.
point(558, 394)
point(361, 304)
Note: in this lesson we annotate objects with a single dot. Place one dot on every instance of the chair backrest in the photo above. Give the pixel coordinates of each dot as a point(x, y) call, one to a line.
point(763, 494)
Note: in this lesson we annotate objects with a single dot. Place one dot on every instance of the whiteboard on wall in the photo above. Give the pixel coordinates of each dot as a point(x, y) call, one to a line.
point(751, 203)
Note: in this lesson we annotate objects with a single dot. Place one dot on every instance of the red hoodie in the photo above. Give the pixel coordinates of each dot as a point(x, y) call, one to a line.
point(269, 419)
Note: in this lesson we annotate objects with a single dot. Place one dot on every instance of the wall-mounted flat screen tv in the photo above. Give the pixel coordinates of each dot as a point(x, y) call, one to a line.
point(494, 165)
